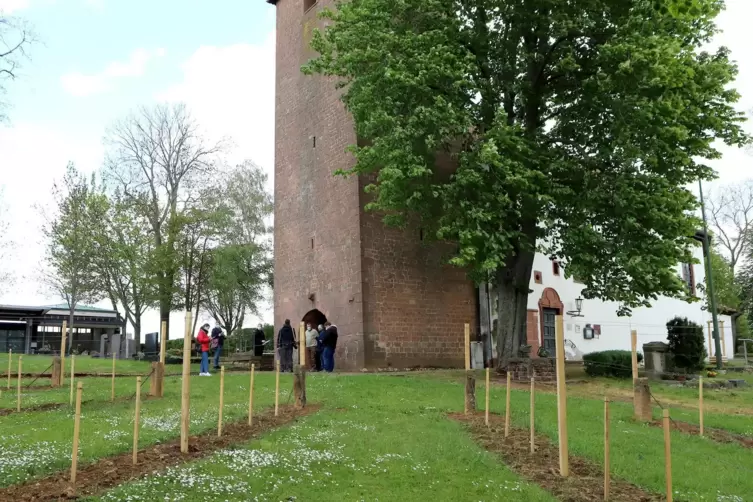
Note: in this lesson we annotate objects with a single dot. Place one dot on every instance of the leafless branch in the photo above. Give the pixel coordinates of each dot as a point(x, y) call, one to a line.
point(730, 210)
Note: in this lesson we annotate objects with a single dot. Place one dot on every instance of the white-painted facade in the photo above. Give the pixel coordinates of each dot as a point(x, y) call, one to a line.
point(552, 290)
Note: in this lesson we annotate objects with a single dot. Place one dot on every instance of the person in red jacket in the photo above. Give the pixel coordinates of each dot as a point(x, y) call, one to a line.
point(203, 340)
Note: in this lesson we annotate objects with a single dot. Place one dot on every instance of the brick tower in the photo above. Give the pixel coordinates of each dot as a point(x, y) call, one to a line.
point(392, 296)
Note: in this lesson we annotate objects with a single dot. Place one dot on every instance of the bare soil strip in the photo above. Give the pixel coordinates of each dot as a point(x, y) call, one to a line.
point(586, 480)
point(718, 435)
point(109, 472)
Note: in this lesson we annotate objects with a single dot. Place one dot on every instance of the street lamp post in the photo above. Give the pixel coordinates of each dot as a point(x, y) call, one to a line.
point(710, 281)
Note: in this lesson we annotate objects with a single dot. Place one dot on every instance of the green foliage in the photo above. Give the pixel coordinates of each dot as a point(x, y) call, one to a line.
point(575, 129)
point(686, 344)
point(610, 363)
point(727, 290)
point(71, 236)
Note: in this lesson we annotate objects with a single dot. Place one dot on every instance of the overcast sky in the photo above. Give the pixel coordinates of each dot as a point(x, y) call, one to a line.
point(99, 59)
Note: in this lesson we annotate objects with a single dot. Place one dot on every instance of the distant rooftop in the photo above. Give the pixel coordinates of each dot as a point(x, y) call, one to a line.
point(79, 308)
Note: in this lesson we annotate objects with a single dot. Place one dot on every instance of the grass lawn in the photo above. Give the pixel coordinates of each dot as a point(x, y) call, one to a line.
point(377, 437)
point(84, 364)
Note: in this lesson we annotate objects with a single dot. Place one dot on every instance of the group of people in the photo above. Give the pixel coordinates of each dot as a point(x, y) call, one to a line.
point(320, 346)
point(208, 342)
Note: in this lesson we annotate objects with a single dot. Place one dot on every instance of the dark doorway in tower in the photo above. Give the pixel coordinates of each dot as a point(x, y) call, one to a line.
point(315, 317)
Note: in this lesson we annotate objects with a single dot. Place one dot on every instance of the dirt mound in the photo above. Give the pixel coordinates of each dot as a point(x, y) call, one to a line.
point(586, 480)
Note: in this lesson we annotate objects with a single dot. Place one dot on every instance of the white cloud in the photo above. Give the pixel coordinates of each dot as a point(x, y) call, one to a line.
point(79, 84)
point(230, 92)
point(7, 7)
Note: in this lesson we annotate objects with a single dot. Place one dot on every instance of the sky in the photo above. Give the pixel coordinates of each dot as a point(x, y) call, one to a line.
point(98, 60)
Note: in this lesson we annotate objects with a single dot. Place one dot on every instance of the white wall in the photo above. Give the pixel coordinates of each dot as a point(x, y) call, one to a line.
point(650, 323)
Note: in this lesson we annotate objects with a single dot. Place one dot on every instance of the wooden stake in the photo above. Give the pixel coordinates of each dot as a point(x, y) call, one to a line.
point(64, 336)
point(222, 400)
point(251, 398)
point(302, 344)
point(507, 404)
point(467, 347)
point(700, 403)
point(470, 393)
point(561, 398)
point(10, 365)
point(185, 393)
point(667, 454)
point(606, 448)
point(721, 335)
point(112, 393)
point(76, 429)
point(533, 409)
point(277, 389)
point(18, 386)
point(163, 342)
point(634, 349)
point(486, 407)
point(136, 422)
point(73, 376)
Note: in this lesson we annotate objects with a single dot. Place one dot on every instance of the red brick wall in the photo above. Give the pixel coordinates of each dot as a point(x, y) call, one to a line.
point(532, 331)
point(365, 278)
point(311, 203)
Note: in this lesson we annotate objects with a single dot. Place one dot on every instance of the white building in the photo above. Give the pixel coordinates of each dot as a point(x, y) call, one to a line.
point(553, 295)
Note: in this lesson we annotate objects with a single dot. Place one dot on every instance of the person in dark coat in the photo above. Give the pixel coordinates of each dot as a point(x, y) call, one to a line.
point(259, 341)
point(285, 345)
point(318, 357)
point(329, 344)
point(218, 340)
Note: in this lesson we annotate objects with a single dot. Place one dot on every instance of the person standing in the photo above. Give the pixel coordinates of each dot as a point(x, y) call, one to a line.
point(311, 335)
point(203, 340)
point(329, 344)
point(218, 340)
point(285, 345)
point(318, 357)
point(259, 341)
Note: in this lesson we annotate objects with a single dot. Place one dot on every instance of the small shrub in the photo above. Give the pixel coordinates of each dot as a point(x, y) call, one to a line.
point(686, 344)
point(611, 363)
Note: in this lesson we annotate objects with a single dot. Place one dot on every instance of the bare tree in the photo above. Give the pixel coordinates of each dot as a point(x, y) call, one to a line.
point(6, 246)
point(15, 39)
point(731, 216)
point(158, 159)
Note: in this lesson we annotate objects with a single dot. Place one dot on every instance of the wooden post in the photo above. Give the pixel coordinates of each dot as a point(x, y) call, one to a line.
point(222, 400)
point(63, 338)
point(186, 386)
point(56, 369)
point(73, 376)
point(251, 398)
point(467, 347)
point(470, 392)
point(711, 347)
point(163, 343)
point(277, 388)
point(486, 407)
point(634, 349)
point(112, 393)
point(302, 344)
point(76, 429)
point(157, 380)
point(561, 397)
point(533, 409)
point(10, 365)
point(18, 384)
point(299, 386)
point(642, 399)
point(606, 448)
point(667, 454)
point(136, 422)
point(507, 404)
point(700, 404)
point(721, 335)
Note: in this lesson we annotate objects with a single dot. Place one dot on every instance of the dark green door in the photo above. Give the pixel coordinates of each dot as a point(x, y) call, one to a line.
point(550, 319)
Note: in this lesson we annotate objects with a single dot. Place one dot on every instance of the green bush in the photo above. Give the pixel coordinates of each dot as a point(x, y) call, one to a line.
point(686, 345)
point(612, 363)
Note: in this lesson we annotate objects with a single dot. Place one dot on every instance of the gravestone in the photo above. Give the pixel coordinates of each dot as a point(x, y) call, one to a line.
point(656, 358)
point(150, 345)
point(115, 346)
point(103, 346)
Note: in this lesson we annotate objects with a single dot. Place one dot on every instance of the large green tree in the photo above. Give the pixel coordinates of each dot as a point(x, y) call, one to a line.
point(574, 126)
point(71, 236)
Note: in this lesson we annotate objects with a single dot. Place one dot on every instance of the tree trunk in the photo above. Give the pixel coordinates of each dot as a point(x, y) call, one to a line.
point(512, 285)
point(70, 329)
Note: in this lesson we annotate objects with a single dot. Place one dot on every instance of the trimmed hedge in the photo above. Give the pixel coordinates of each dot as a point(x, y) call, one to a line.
point(613, 363)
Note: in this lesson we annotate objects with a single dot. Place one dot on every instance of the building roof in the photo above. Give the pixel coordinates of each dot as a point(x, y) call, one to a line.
point(79, 308)
point(56, 313)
